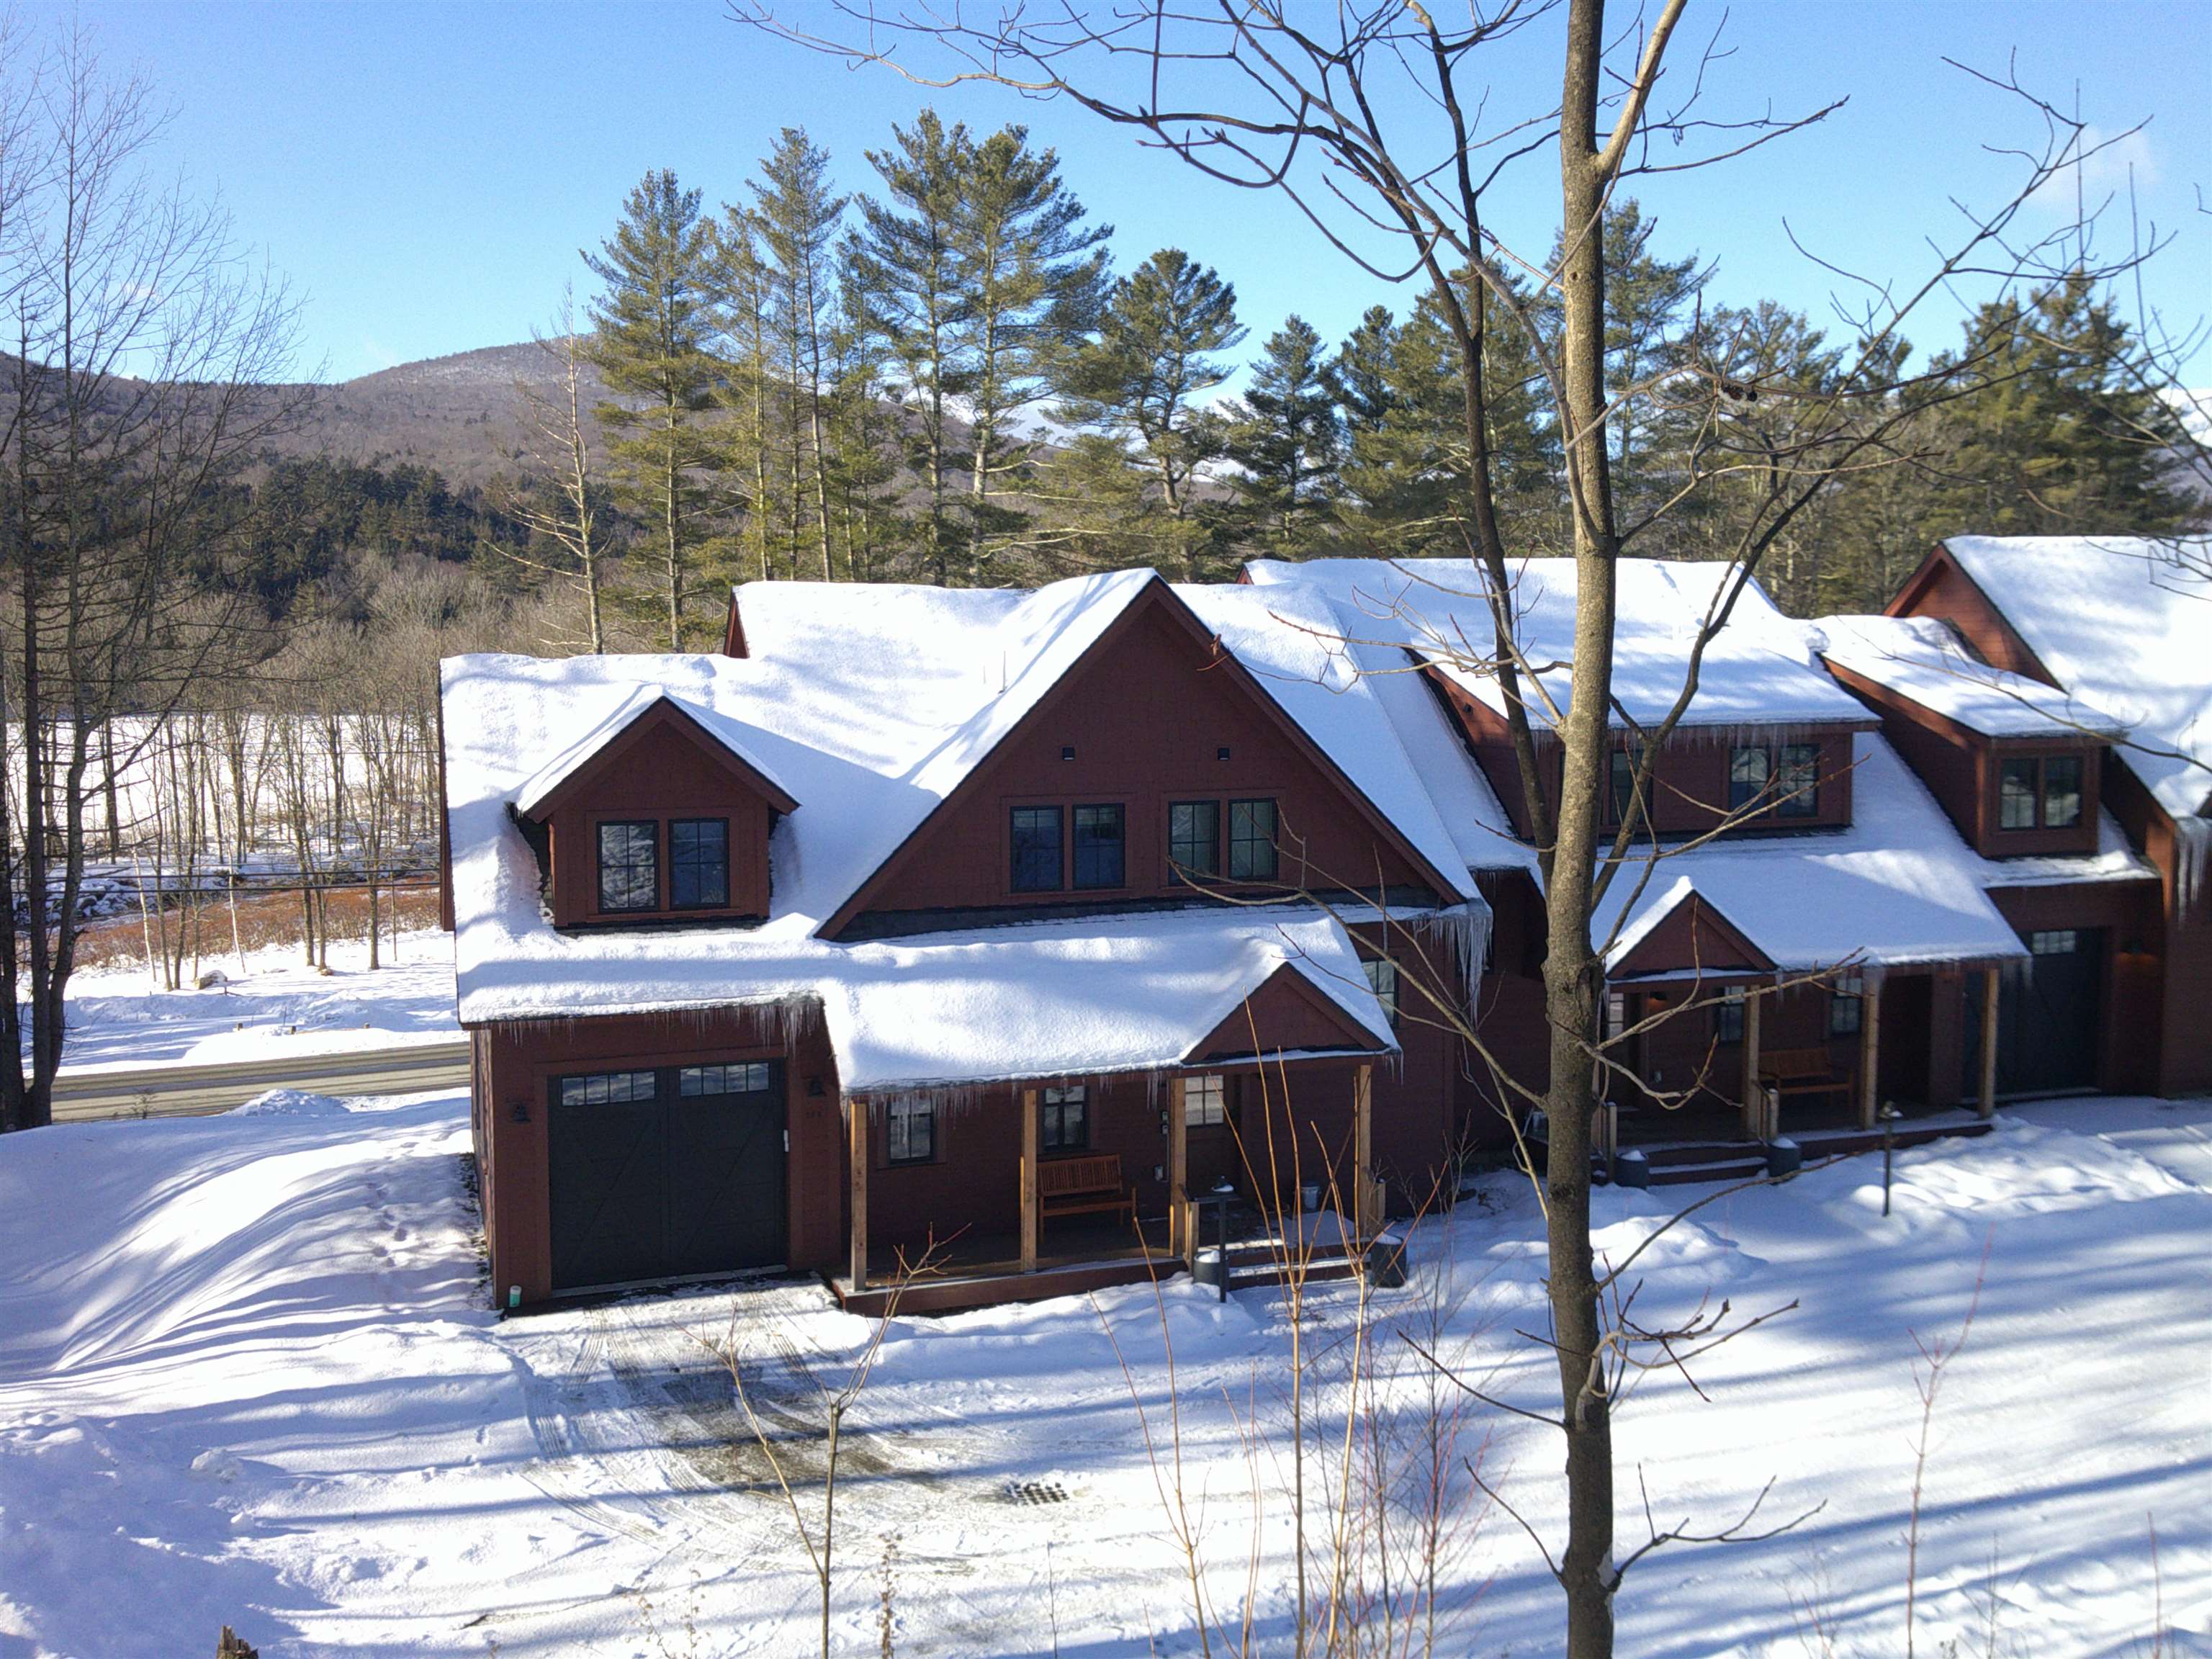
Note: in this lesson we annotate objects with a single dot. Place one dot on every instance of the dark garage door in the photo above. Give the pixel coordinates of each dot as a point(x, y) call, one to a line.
point(666, 1173)
point(2048, 1025)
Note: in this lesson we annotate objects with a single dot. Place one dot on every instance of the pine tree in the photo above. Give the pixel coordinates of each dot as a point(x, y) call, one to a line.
point(907, 260)
point(745, 435)
point(795, 220)
point(650, 326)
point(1140, 382)
point(2053, 443)
point(1032, 277)
point(1405, 474)
point(1286, 438)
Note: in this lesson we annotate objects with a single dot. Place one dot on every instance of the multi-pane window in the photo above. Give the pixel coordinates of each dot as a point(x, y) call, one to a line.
point(1204, 1101)
point(1064, 1124)
point(1728, 1016)
point(698, 864)
point(1797, 780)
point(2042, 792)
point(1252, 840)
point(1788, 778)
point(606, 1089)
point(1747, 774)
point(1195, 836)
point(910, 1129)
point(1100, 847)
point(2056, 942)
point(745, 1077)
point(1382, 980)
point(2062, 791)
point(1847, 1006)
point(1035, 839)
point(630, 868)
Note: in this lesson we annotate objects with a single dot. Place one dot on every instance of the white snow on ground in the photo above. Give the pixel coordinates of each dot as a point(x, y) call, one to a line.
point(278, 1007)
point(245, 1377)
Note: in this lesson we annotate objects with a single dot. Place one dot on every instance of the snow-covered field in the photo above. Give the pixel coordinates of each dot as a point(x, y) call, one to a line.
point(278, 1007)
point(245, 1377)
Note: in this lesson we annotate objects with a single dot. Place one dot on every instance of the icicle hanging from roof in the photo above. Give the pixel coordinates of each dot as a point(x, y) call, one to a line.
point(2193, 862)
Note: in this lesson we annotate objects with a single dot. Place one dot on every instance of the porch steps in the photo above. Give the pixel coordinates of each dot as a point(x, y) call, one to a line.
point(1686, 1162)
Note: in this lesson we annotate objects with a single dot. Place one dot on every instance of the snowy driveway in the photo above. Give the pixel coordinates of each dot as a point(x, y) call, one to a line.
point(247, 1377)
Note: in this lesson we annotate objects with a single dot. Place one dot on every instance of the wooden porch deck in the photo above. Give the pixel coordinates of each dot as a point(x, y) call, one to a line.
point(1076, 1258)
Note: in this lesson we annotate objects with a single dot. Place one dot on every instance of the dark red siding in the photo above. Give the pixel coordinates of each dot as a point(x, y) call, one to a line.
point(1941, 589)
point(660, 772)
point(1147, 717)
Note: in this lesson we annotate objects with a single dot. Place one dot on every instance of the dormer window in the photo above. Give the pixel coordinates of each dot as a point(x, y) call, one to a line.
point(698, 864)
point(1787, 774)
point(630, 866)
point(2040, 792)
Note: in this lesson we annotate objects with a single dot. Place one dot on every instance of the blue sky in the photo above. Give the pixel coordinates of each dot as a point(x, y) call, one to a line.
point(425, 174)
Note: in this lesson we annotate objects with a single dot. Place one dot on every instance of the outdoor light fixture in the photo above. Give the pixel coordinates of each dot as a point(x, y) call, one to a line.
point(1222, 753)
point(814, 1090)
point(1067, 752)
point(520, 1112)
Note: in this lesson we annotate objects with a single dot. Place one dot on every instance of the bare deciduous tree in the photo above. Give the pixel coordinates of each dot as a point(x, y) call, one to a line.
point(141, 347)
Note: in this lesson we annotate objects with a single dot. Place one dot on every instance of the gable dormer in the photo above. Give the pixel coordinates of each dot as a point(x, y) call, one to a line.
point(656, 815)
point(2015, 763)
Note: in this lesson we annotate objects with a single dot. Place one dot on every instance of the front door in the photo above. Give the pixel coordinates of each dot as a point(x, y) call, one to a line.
point(666, 1173)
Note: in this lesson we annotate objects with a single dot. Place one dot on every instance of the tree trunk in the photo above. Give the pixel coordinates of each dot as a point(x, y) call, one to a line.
point(1574, 988)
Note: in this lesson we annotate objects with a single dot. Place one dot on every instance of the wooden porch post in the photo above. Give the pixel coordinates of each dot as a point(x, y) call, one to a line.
point(1754, 1103)
point(1029, 1181)
point(1987, 1104)
point(856, 1117)
point(1178, 1164)
point(1869, 1048)
point(1364, 1219)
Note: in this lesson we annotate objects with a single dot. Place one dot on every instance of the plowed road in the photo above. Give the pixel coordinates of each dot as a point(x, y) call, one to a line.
point(197, 1090)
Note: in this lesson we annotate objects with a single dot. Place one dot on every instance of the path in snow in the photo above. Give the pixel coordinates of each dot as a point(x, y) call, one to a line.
point(247, 1378)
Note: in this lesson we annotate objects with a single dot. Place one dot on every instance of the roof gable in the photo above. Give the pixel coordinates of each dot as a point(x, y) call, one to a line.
point(959, 770)
point(1287, 1013)
point(647, 710)
point(2122, 620)
point(1688, 932)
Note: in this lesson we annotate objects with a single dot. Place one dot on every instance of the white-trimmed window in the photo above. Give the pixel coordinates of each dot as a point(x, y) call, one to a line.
point(1204, 1101)
point(910, 1129)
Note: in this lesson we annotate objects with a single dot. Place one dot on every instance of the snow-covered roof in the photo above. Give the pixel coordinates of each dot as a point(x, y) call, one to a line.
point(640, 701)
point(868, 706)
point(1898, 887)
point(1922, 659)
point(1099, 996)
point(2126, 621)
point(1752, 673)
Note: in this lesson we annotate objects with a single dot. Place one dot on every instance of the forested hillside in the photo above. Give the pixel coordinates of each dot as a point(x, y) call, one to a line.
point(952, 374)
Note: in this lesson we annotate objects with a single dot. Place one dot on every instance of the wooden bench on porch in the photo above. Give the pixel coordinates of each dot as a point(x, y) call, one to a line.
point(1794, 1073)
point(1090, 1185)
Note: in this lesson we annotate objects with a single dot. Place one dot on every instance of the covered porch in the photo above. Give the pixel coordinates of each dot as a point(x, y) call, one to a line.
point(1032, 1190)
